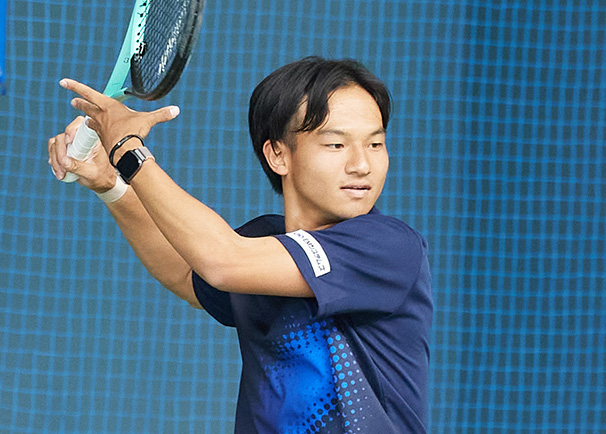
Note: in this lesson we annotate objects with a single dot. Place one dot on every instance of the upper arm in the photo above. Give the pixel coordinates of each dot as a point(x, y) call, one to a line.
point(260, 266)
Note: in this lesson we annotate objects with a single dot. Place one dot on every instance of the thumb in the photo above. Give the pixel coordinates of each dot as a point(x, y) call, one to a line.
point(165, 114)
point(71, 165)
point(84, 170)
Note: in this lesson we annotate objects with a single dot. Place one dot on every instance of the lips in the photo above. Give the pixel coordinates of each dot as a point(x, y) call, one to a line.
point(356, 190)
point(356, 187)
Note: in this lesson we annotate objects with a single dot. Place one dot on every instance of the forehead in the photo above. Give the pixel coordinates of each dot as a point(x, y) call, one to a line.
point(350, 108)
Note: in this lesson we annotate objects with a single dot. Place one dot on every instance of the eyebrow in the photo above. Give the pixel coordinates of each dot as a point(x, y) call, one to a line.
point(344, 133)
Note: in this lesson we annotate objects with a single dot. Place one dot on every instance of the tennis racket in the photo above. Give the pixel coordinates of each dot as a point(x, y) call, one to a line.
point(156, 48)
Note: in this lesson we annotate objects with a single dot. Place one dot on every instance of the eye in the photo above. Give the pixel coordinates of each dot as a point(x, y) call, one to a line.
point(335, 145)
point(377, 145)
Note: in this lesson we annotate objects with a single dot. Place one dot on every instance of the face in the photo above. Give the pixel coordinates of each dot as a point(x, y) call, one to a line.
point(337, 171)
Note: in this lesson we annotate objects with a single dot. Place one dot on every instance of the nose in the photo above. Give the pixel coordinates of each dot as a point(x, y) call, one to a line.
point(357, 161)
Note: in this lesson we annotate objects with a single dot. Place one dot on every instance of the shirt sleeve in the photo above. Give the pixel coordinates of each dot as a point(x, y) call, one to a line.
point(216, 303)
point(365, 264)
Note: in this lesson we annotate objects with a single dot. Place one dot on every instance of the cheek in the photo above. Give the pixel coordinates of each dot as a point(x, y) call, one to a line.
point(315, 171)
point(386, 166)
point(381, 164)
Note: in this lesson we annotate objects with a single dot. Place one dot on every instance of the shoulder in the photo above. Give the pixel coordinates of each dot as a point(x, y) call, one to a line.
point(376, 229)
point(365, 264)
point(375, 241)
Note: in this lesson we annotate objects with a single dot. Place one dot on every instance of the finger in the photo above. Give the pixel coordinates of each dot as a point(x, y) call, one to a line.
point(61, 153)
point(95, 171)
point(84, 91)
point(51, 143)
point(86, 107)
point(57, 152)
point(71, 165)
point(164, 114)
point(70, 130)
point(52, 160)
point(93, 125)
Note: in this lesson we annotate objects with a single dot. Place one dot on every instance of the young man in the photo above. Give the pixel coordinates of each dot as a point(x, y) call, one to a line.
point(332, 302)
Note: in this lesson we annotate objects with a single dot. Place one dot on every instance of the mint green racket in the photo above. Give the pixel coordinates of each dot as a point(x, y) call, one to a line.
point(158, 43)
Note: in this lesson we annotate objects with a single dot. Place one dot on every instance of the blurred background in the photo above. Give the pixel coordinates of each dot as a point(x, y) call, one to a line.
point(497, 158)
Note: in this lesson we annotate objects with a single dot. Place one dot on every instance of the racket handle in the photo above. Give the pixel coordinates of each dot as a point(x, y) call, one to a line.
point(83, 144)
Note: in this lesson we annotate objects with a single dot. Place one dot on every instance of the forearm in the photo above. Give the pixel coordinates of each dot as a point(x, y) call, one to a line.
point(151, 247)
point(202, 238)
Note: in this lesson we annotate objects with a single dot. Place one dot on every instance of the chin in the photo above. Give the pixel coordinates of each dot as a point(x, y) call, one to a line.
point(355, 211)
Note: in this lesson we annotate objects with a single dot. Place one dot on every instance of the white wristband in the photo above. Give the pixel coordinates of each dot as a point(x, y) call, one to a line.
point(114, 193)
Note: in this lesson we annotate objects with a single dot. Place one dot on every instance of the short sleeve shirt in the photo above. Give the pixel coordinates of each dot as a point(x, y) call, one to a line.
point(353, 359)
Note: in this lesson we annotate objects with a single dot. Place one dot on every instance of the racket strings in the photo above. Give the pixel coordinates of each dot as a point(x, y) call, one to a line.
point(168, 30)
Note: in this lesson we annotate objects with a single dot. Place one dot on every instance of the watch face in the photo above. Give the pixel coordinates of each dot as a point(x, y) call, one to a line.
point(128, 165)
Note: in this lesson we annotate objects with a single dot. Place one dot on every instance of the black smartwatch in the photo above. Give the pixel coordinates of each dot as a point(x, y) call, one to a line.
point(130, 163)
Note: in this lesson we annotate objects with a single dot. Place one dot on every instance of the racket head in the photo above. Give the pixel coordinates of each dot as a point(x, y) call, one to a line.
point(166, 40)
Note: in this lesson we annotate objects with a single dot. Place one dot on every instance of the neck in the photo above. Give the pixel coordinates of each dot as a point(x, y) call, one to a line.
point(295, 222)
point(295, 217)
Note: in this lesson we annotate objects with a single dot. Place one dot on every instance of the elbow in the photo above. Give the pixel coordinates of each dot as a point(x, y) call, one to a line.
point(223, 277)
point(186, 293)
point(230, 268)
point(193, 302)
point(183, 288)
point(216, 278)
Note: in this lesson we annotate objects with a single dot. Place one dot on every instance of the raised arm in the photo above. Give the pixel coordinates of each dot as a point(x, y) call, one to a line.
point(201, 237)
point(150, 246)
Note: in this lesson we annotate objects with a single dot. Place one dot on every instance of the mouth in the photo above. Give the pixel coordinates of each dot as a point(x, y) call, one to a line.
point(356, 190)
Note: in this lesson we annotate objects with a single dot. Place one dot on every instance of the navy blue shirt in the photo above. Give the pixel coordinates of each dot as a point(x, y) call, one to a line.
point(354, 359)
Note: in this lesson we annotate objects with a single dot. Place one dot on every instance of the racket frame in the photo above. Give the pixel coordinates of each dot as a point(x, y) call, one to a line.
point(132, 43)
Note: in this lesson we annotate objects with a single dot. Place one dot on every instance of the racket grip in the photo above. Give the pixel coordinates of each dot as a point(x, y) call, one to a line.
point(83, 144)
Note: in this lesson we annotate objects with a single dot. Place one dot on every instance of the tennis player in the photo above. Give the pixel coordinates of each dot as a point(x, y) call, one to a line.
point(332, 302)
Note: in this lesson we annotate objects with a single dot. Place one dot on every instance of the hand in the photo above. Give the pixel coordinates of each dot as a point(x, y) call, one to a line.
point(111, 119)
point(95, 172)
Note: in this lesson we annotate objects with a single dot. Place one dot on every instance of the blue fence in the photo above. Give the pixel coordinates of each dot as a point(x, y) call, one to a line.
point(497, 157)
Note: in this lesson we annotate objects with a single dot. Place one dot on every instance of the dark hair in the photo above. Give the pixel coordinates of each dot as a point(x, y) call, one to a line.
point(278, 97)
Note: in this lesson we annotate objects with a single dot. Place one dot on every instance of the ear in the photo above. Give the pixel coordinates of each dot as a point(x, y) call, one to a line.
point(276, 154)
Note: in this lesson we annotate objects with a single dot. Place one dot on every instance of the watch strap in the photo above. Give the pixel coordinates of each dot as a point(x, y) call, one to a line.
point(122, 142)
